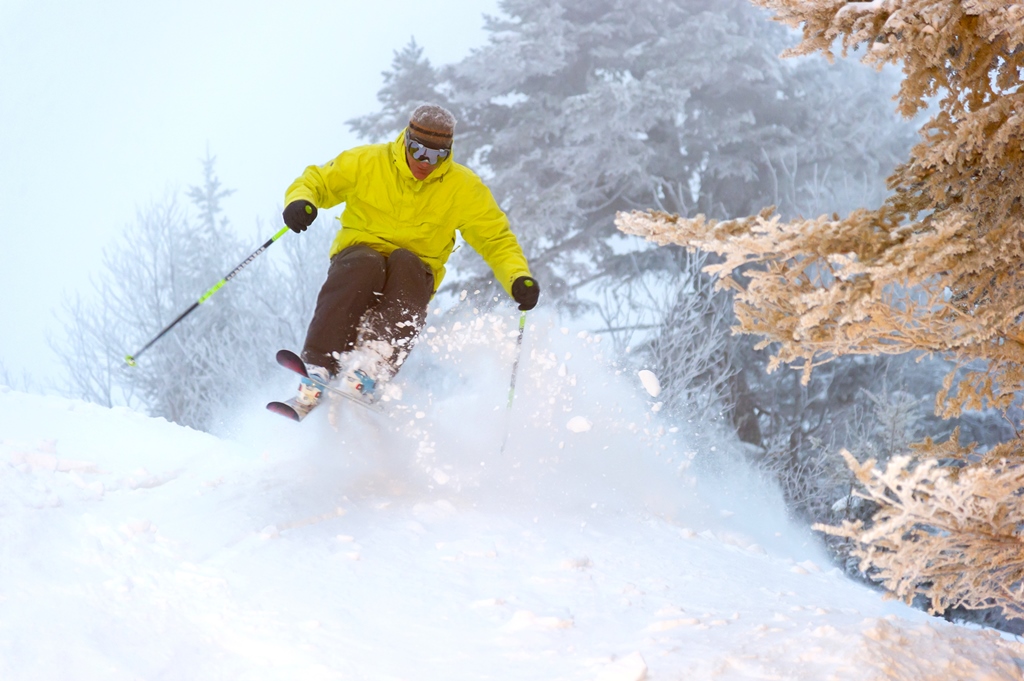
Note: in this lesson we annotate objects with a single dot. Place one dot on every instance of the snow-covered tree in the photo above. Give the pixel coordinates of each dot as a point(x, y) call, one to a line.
point(163, 263)
point(411, 81)
point(696, 361)
point(578, 109)
point(933, 269)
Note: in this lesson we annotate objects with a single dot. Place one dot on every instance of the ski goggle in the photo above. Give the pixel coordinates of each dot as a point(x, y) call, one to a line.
point(421, 152)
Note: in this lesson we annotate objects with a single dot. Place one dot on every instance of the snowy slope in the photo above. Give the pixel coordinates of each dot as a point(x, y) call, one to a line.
point(401, 546)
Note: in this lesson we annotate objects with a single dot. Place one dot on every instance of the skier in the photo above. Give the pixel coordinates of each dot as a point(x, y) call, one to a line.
point(404, 200)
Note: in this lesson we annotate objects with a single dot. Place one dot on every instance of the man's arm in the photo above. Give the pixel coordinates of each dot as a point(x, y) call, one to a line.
point(328, 185)
point(487, 230)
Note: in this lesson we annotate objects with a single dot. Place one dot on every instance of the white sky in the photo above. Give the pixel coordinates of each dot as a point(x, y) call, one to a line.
point(107, 106)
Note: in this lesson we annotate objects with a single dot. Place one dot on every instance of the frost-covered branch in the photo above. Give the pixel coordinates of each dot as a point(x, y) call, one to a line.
point(953, 535)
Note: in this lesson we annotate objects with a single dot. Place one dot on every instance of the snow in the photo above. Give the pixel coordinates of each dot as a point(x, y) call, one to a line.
point(579, 424)
point(650, 382)
point(401, 546)
point(861, 7)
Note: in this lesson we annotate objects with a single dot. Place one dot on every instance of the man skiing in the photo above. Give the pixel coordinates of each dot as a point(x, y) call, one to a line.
point(404, 200)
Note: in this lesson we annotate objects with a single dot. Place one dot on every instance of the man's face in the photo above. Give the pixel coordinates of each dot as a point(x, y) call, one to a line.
point(421, 158)
point(420, 169)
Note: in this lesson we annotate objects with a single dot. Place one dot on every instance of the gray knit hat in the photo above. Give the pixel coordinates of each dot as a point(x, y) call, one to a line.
point(433, 126)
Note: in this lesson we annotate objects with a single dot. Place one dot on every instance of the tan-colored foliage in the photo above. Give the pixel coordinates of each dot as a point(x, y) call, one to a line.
point(953, 538)
point(935, 269)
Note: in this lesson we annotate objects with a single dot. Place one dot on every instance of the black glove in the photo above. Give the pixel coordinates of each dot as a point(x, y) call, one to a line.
point(299, 215)
point(526, 290)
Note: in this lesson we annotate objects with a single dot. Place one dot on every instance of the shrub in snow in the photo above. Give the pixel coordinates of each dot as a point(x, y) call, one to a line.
point(950, 534)
point(166, 259)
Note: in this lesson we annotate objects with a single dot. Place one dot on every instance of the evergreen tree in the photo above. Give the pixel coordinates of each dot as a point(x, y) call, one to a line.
point(410, 82)
point(576, 110)
point(164, 262)
point(207, 198)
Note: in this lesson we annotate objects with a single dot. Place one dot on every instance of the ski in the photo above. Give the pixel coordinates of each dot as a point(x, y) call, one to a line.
point(289, 408)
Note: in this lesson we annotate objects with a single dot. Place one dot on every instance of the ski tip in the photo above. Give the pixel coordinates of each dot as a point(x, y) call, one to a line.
point(284, 410)
point(289, 360)
point(287, 355)
point(130, 361)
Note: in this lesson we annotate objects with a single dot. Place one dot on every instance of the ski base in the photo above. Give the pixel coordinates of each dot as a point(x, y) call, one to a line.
point(287, 410)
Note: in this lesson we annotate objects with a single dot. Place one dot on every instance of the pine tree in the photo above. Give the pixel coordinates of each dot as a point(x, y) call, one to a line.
point(934, 269)
point(165, 260)
point(575, 110)
point(410, 82)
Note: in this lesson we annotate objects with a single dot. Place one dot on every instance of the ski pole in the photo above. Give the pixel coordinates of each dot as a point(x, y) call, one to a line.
point(512, 387)
point(130, 359)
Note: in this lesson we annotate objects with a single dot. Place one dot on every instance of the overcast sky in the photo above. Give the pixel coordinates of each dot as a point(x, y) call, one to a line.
point(107, 106)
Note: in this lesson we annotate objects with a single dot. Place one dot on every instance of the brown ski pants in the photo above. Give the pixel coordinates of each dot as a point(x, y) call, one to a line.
point(368, 297)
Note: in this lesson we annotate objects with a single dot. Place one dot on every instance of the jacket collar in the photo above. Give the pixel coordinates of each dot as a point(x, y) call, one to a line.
point(398, 156)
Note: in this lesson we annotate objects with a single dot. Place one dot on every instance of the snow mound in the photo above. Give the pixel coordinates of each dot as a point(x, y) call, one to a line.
point(357, 545)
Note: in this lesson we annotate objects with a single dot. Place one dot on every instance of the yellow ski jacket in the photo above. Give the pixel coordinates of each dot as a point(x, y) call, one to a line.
point(387, 208)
